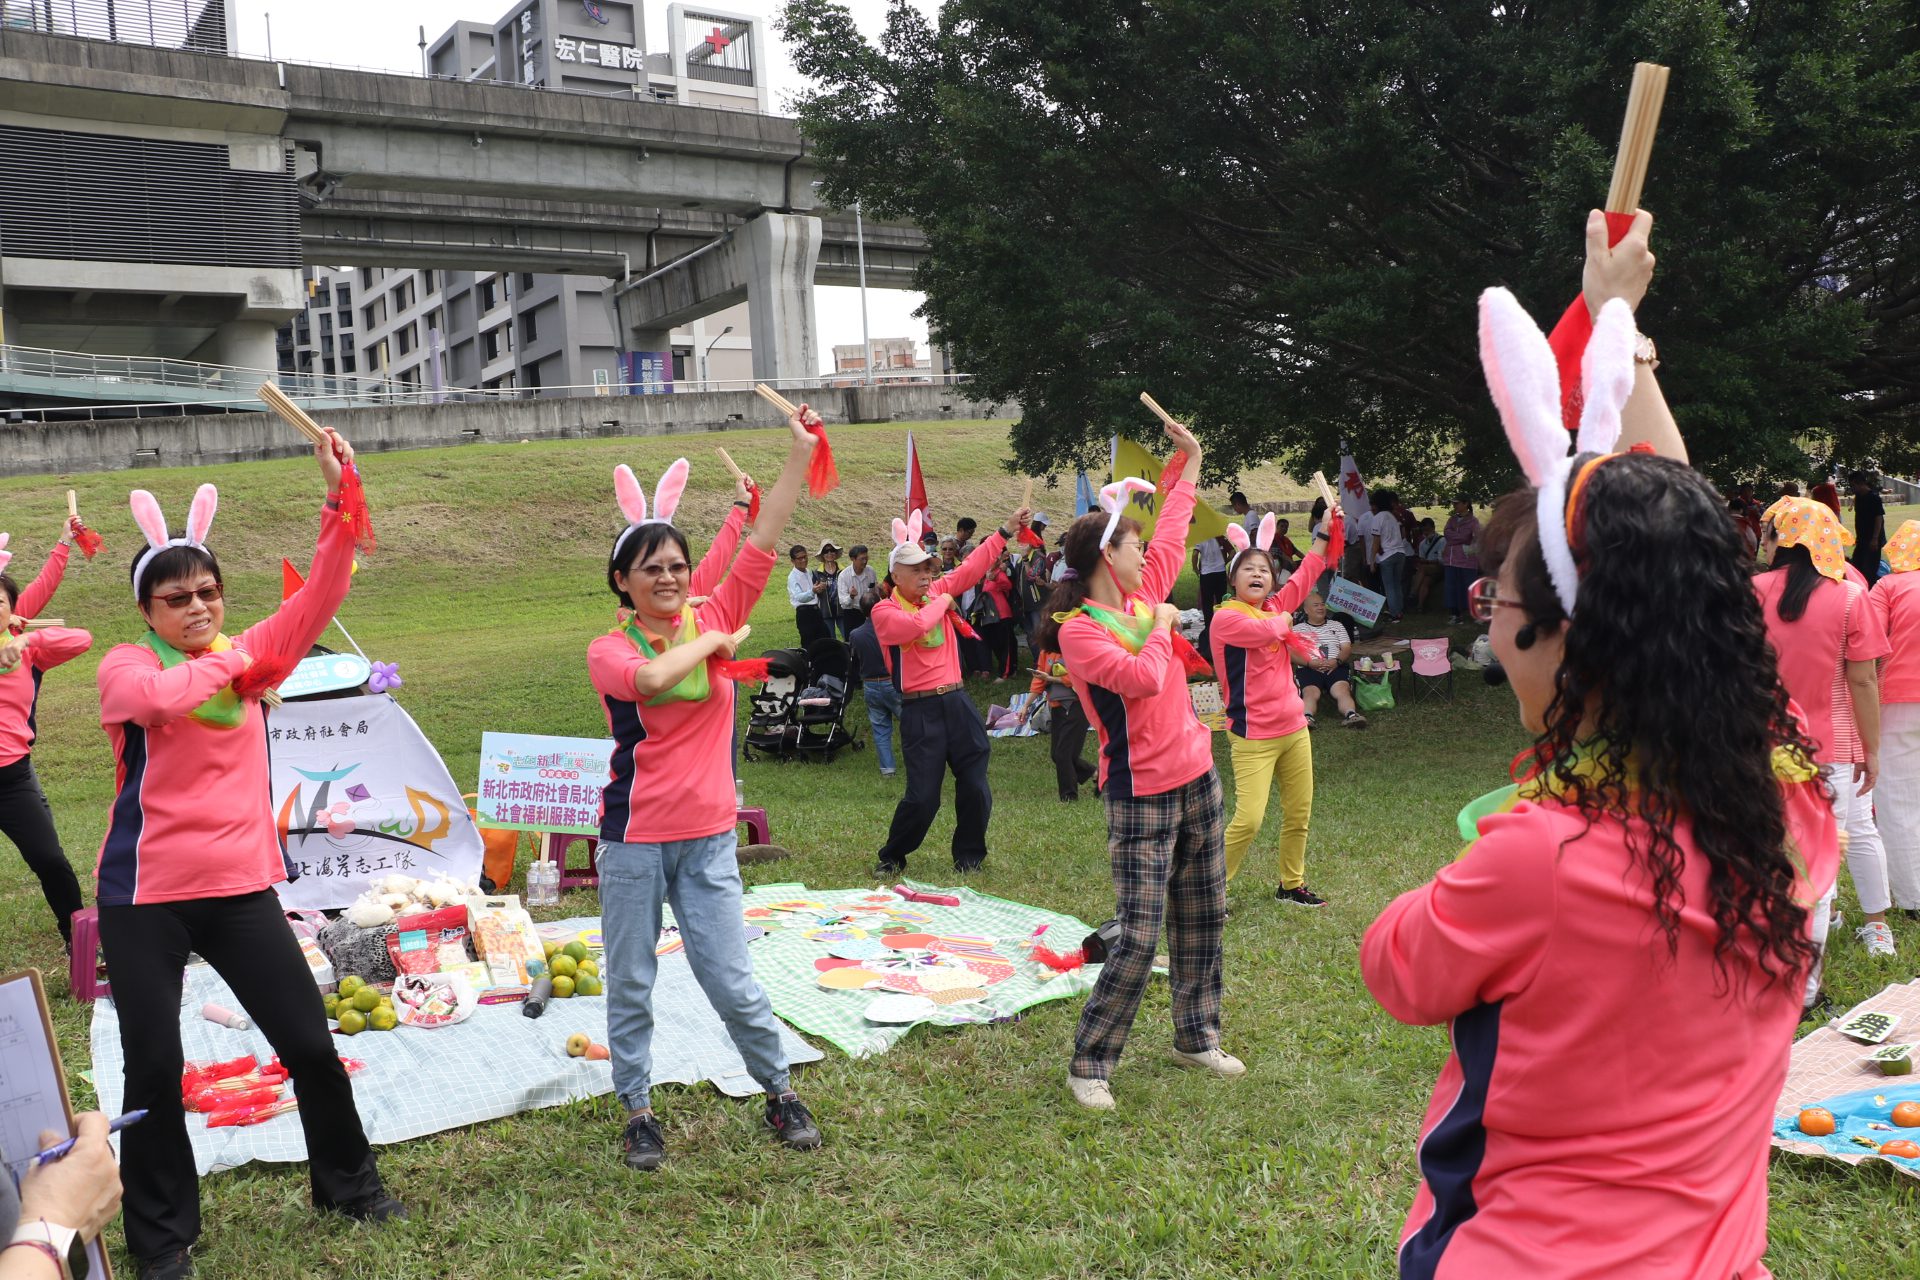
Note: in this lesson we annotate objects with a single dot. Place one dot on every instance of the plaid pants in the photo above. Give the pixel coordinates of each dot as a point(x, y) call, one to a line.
point(1168, 864)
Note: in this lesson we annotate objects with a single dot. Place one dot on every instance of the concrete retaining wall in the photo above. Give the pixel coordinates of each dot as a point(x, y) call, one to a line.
point(60, 448)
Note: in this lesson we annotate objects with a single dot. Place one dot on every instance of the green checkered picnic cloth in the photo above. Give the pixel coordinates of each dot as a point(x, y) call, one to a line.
point(783, 960)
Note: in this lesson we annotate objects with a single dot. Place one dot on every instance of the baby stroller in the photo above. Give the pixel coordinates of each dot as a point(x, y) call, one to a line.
point(822, 710)
point(770, 722)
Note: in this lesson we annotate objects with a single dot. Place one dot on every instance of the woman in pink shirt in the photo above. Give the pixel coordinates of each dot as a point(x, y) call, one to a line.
point(668, 829)
point(1896, 797)
point(1826, 638)
point(190, 859)
point(1619, 956)
point(25, 657)
point(1266, 723)
point(999, 634)
point(1111, 621)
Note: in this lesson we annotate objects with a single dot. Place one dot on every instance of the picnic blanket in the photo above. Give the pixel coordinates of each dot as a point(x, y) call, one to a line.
point(1830, 1070)
point(417, 1082)
point(830, 954)
point(1006, 722)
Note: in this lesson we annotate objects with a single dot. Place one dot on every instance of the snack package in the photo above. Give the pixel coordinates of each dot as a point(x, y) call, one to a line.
point(318, 962)
point(504, 936)
point(432, 999)
point(429, 941)
point(478, 976)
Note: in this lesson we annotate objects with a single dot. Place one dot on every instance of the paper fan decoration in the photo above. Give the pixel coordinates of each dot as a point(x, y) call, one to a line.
point(896, 1008)
point(852, 978)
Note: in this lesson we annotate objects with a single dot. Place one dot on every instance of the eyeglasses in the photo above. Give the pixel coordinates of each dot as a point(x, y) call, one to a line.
point(1483, 597)
point(181, 599)
point(678, 569)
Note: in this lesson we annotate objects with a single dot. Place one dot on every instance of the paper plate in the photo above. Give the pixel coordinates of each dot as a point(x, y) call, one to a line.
point(898, 1008)
point(825, 963)
point(859, 949)
point(852, 978)
point(836, 933)
point(908, 941)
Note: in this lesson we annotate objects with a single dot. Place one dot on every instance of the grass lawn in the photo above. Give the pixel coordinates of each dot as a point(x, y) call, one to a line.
point(959, 1153)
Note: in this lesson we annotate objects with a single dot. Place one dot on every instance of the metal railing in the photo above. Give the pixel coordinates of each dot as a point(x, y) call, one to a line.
point(197, 26)
point(401, 395)
point(189, 375)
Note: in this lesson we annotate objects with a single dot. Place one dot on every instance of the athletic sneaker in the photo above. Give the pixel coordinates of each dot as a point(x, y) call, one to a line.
point(792, 1123)
point(1301, 897)
point(1218, 1061)
point(889, 871)
point(1310, 723)
point(1877, 938)
point(1353, 720)
point(177, 1265)
point(645, 1148)
point(1095, 1095)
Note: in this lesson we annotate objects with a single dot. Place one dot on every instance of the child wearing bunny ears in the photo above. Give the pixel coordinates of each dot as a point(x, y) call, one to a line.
point(1111, 620)
point(940, 729)
point(1253, 639)
point(25, 817)
point(667, 826)
point(191, 856)
point(1645, 891)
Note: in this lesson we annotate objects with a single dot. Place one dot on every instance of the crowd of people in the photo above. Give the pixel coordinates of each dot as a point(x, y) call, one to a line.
point(1691, 785)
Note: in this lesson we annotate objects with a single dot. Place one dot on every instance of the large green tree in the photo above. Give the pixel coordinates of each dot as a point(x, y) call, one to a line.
point(1277, 214)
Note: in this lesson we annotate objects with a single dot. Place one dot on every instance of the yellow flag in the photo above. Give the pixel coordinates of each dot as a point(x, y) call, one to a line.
point(1132, 459)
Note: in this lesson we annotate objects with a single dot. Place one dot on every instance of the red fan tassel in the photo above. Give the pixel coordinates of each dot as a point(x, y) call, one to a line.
point(1569, 337)
point(822, 476)
point(961, 625)
point(753, 504)
point(1190, 657)
point(1336, 536)
point(742, 670)
point(1302, 645)
point(1056, 961)
point(89, 542)
point(353, 508)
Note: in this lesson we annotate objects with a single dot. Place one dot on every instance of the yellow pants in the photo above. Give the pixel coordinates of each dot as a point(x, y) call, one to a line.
point(1256, 762)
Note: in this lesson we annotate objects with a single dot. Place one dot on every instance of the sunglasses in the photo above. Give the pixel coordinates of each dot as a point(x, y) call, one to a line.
point(182, 599)
point(1483, 597)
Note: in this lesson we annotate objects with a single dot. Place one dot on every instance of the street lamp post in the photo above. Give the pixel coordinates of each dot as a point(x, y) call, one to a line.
point(860, 249)
point(706, 372)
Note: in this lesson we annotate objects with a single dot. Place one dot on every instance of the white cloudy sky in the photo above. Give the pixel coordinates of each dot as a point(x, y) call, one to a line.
point(382, 34)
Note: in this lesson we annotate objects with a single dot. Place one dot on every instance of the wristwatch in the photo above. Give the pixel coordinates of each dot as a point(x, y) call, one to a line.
point(1644, 352)
point(62, 1244)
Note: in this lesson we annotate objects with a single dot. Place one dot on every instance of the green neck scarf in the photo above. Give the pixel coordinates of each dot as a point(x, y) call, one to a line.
point(1130, 630)
point(224, 710)
point(934, 638)
point(694, 686)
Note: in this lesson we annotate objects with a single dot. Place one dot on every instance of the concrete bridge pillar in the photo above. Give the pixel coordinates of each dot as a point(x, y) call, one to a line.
point(780, 251)
point(247, 343)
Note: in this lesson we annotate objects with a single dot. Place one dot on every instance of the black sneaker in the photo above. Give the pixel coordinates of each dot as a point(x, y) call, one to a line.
point(967, 868)
point(1301, 897)
point(374, 1209)
point(168, 1266)
point(889, 871)
point(792, 1123)
point(645, 1148)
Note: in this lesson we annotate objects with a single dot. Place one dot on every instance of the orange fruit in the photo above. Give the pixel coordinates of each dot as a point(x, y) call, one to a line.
point(1816, 1122)
point(1907, 1114)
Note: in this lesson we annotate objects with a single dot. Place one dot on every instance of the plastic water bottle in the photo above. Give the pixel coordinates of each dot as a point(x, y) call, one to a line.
point(543, 883)
point(739, 794)
point(537, 997)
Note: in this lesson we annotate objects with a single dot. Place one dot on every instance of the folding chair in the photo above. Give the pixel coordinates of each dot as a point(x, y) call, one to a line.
point(1432, 670)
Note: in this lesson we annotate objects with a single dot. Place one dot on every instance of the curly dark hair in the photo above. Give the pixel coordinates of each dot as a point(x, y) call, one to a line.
point(1671, 648)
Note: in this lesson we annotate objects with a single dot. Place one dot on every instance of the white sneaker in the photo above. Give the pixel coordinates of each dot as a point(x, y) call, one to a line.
point(1218, 1061)
point(1877, 938)
point(1094, 1095)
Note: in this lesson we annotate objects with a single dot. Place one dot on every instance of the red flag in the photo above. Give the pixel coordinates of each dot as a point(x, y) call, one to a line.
point(1569, 337)
point(916, 486)
point(823, 477)
point(290, 580)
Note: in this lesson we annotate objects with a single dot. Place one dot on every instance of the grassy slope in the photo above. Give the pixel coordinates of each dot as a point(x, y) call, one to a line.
point(958, 1154)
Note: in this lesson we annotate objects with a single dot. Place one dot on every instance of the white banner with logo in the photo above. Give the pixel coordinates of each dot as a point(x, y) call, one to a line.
point(534, 782)
point(359, 793)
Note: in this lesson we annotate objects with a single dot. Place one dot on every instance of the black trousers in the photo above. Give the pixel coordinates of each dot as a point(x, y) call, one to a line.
point(1000, 646)
point(1212, 587)
point(812, 625)
point(247, 941)
point(27, 820)
point(938, 734)
point(1067, 732)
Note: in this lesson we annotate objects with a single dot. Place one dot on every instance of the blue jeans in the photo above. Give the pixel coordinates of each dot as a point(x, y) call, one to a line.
point(702, 880)
point(883, 708)
point(1393, 583)
point(1459, 579)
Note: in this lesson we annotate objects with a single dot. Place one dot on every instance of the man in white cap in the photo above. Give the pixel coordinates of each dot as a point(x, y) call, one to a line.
point(940, 728)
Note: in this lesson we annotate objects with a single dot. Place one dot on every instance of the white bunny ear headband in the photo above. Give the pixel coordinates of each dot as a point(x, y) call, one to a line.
point(1261, 541)
point(146, 514)
point(1525, 384)
point(633, 503)
point(1114, 499)
point(906, 533)
point(6, 556)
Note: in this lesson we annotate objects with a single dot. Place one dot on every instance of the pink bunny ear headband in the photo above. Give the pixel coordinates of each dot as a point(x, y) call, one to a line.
point(1525, 384)
point(1261, 541)
point(6, 556)
point(1114, 499)
point(906, 538)
point(146, 514)
point(633, 503)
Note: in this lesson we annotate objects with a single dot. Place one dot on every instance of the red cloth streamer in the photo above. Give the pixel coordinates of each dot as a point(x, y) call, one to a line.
point(1056, 961)
point(353, 508)
point(742, 670)
point(89, 542)
point(961, 625)
point(1336, 536)
point(753, 503)
point(1028, 538)
point(1302, 645)
point(822, 476)
point(1189, 656)
point(1569, 337)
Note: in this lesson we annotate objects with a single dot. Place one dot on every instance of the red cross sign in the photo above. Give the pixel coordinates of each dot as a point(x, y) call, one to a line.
point(719, 40)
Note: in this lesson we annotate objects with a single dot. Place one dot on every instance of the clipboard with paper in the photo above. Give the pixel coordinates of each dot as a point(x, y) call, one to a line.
point(33, 1086)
